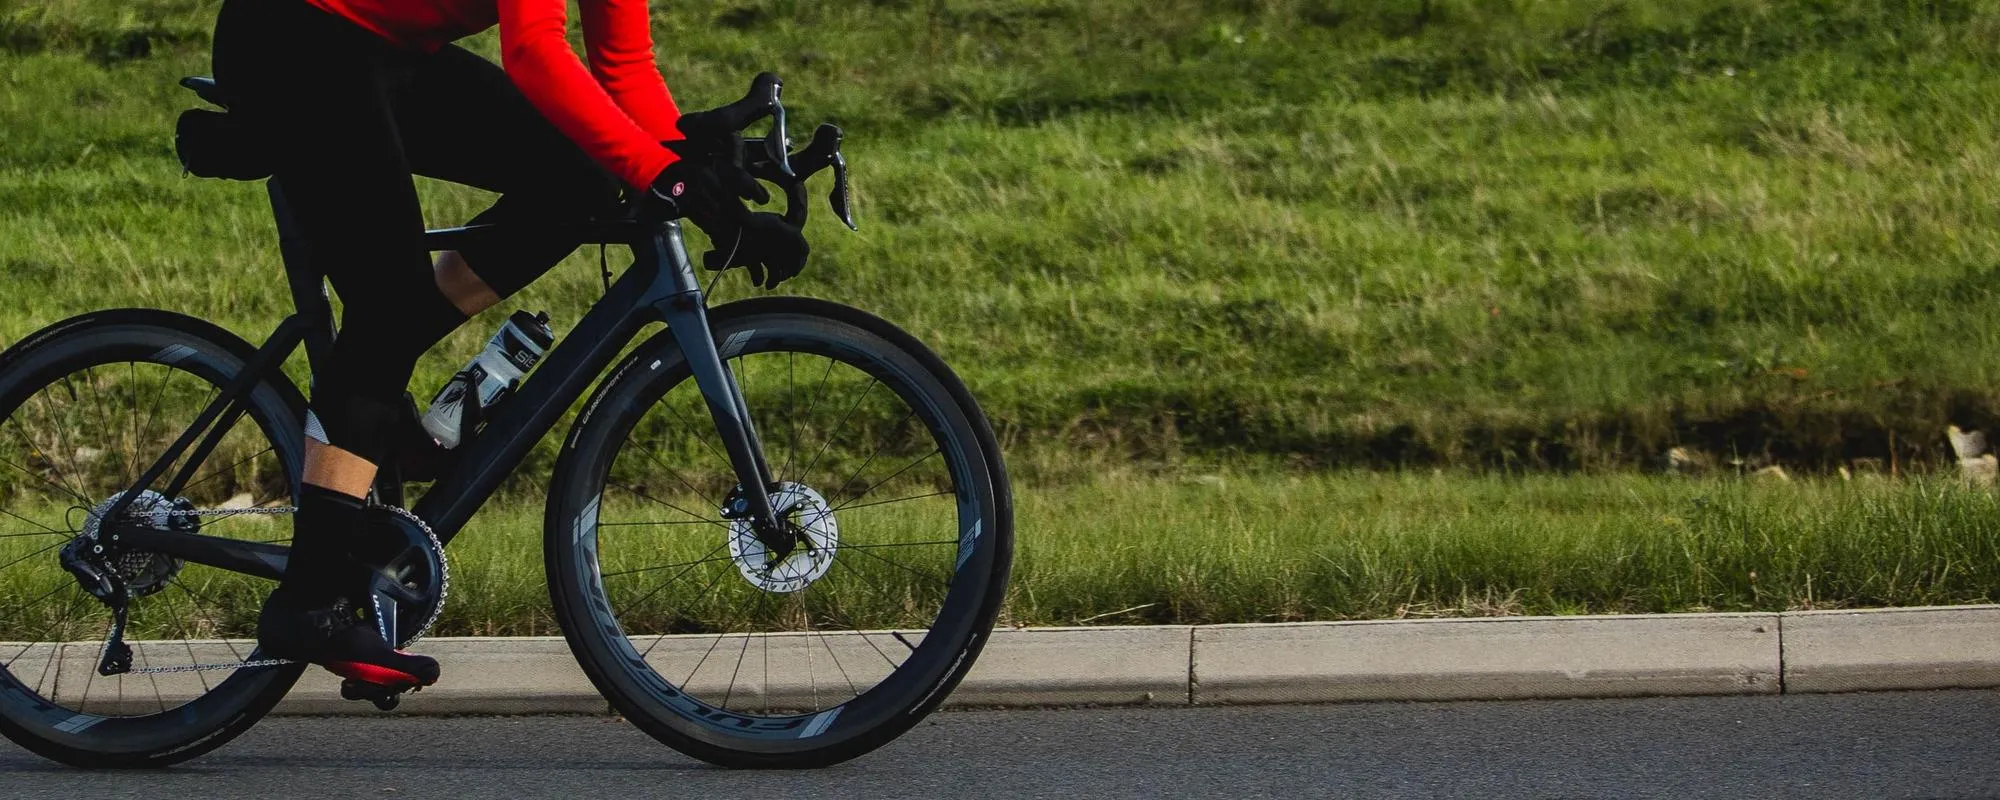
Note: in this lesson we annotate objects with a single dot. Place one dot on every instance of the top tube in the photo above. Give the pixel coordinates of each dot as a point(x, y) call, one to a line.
point(624, 227)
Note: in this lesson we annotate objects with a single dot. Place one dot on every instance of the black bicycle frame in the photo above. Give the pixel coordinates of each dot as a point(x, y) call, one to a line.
point(660, 287)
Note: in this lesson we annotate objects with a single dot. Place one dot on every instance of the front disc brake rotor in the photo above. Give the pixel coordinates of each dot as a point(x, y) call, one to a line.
point(806, 515)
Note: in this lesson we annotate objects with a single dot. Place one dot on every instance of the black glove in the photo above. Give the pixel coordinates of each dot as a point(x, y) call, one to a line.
point(772, 248)
point(708, 187)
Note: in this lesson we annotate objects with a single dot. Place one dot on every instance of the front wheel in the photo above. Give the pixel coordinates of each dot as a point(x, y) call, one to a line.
point(891, 484)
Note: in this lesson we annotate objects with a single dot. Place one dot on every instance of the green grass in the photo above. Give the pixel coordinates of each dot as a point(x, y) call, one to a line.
point(1470, 233)
point(1262, 548)
point(1487, 235)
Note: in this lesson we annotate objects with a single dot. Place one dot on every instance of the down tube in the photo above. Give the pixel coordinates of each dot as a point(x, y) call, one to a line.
point(582, 355)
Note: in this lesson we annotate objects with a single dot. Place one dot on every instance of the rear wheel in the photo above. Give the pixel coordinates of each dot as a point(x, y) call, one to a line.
point(888, 479)
point(85, 407)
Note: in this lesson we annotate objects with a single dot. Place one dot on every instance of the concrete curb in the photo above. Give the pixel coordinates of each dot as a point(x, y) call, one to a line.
point(1487, 659)
point(1438, 659)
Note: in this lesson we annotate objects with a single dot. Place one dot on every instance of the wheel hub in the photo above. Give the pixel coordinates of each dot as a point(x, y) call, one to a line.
point(808, 518)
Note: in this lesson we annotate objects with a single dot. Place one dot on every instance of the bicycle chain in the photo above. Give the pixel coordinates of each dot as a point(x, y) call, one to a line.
point(231, 512)
point(265, 662)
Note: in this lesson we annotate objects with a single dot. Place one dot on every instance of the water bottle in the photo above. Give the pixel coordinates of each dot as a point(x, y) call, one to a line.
point(488, 378)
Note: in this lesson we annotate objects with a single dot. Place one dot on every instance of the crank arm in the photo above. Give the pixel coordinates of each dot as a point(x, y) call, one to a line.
point(384, 598)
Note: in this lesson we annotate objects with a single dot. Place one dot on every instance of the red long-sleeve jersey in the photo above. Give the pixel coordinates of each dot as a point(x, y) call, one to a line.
point(619, 118)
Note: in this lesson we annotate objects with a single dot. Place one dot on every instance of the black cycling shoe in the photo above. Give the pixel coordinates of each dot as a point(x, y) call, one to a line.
point(344, 640)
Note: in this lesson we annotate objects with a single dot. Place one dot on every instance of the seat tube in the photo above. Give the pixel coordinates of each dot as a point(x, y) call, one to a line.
point(686, 315)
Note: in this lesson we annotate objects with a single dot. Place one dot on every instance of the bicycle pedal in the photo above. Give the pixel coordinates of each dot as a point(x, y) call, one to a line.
point(385, 698)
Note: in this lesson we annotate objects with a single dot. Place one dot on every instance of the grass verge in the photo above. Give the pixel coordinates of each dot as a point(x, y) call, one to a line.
point(1566, 233)
point(1264, 548)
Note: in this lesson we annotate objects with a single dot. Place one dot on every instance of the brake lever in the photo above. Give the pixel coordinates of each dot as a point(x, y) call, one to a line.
point(719, 124)
point(822, 152)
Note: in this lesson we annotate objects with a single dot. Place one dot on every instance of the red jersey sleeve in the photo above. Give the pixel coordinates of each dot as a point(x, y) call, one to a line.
point(535, 52)
point(618, 35)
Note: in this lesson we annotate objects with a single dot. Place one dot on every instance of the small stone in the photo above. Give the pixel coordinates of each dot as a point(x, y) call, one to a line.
point(1771, 473)
point(1687, 461)
point(1967, 444)
point(1981, 471)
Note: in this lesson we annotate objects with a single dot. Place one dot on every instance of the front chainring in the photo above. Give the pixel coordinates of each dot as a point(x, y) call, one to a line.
point(420, 568)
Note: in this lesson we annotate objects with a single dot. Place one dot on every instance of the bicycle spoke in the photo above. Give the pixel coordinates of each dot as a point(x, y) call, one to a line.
point(187, 643)
point(32, 522)
point(697, 437)
point(89, 677)
point(33, 554)
point(63, 437)
point(905, 567)
point(90, 379)
point(872, 383)
point(57, 647)
point(666, 566)
point(21, 612)
point(697, 665)
point(132, 448)
point(818, 392)
point(846, 546)
point(159, 393)
point(738, 671)
point(195, 604)
point(898, 474)
point(659, 522)
point(71, 493)
point(699, 596)
point(677, 576)
point(849, 480)
point(852, 506)
point(671, 471)
point(146, 663)
point(716, 522)
point(853, 691)
point(213, 474)
point(823, 514)
point(791, 413)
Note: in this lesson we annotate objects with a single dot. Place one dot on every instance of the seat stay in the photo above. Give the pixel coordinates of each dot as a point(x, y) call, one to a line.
point(223, 409)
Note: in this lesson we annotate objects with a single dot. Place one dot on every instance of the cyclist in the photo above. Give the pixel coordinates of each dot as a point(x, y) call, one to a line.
point(353, 97)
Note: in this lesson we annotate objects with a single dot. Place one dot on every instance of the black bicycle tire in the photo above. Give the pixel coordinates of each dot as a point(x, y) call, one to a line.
point(239, 701)
point(582, 460)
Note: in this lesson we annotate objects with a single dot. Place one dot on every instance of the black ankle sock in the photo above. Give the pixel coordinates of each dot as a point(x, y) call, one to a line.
point(320, 567)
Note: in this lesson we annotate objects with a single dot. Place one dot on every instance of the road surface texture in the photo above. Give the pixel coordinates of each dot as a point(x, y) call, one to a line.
point(1921, 744)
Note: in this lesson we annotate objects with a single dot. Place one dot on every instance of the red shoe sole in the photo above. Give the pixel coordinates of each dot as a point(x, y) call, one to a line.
point(371, 673)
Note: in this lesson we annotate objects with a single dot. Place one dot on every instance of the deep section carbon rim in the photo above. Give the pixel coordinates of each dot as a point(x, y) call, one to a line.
point(80, 417)
point(885, 489)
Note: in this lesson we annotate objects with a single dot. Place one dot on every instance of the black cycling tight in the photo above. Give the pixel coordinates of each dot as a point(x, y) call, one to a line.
point(350, 119)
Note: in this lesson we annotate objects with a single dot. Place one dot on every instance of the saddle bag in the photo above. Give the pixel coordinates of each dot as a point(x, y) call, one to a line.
point(213, 144)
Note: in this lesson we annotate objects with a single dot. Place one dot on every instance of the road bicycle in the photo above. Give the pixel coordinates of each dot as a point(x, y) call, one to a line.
point(789, 592)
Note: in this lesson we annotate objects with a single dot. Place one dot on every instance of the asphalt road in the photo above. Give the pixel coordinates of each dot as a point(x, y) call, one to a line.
point(1929, 744)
